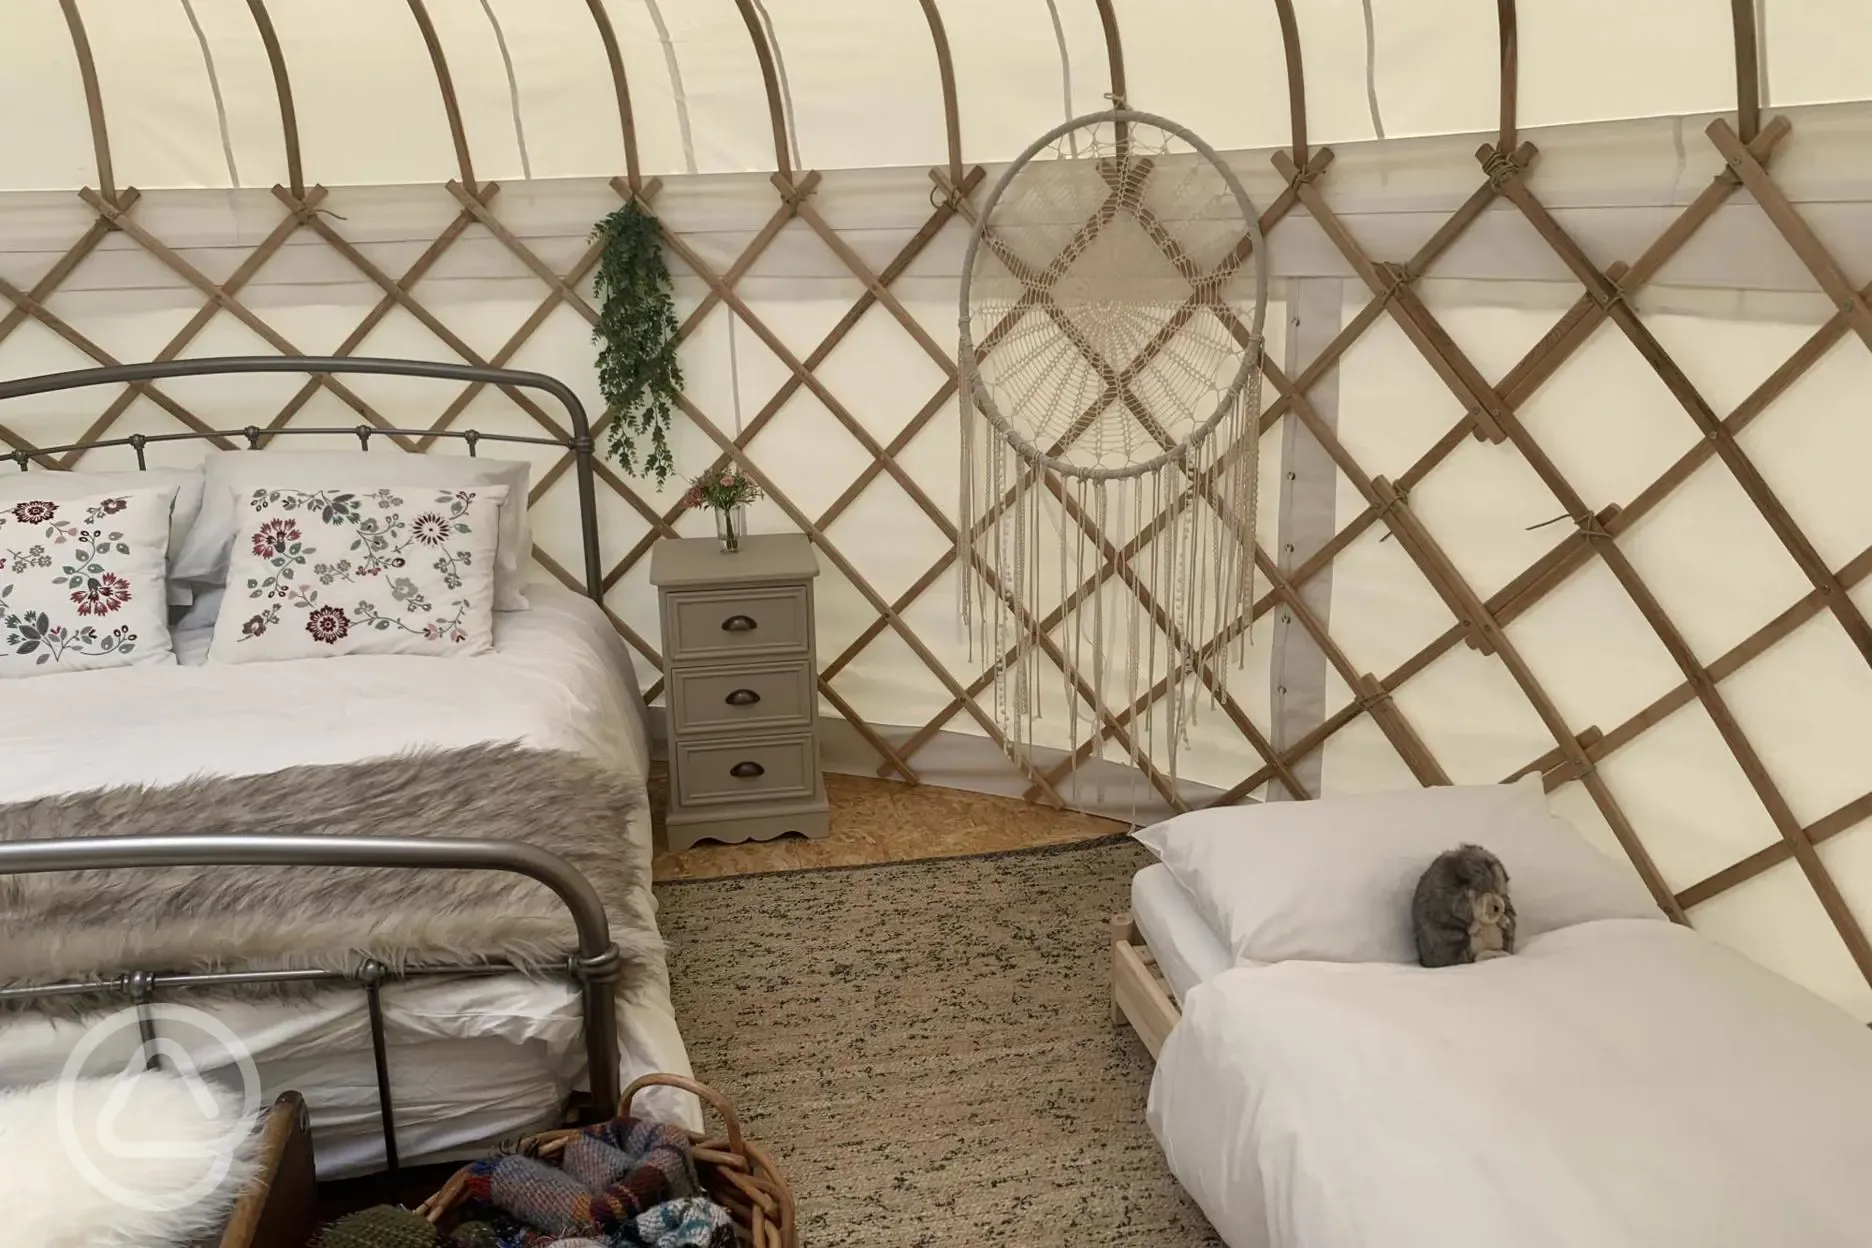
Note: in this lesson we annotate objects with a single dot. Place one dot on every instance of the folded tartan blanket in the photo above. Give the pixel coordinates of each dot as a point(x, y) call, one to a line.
point(627, 1183)
point(624, 1182)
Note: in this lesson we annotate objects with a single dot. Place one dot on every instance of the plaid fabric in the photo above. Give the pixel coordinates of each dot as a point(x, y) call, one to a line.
point(594, 1163)
point(692, 1222)
point(612, 1174)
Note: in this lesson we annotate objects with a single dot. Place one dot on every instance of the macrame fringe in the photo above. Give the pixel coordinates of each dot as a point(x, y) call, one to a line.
point(1185, 564)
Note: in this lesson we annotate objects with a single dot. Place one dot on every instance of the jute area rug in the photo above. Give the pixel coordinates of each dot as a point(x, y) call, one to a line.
point(928, 1047)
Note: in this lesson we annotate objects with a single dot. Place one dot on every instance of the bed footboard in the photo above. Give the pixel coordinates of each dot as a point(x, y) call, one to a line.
point(595, 965)
point(1140, 995)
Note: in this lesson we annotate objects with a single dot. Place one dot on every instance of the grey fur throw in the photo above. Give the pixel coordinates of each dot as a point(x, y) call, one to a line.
point(1461, 911)
point(90, 924)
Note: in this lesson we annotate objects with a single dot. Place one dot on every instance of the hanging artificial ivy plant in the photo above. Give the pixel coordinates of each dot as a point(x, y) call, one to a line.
point(638, 372)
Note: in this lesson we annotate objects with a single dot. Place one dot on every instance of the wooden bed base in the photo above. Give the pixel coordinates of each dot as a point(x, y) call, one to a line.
point(1140, 994)
point(279, 1209)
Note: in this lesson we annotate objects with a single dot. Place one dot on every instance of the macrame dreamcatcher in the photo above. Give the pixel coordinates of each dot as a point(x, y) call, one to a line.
point(1113, 297)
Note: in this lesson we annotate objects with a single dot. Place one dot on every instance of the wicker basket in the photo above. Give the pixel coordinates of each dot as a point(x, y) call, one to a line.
point(735, 1171)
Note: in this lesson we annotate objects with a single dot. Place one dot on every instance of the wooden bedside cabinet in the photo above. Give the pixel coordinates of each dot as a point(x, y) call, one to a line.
point(741, 689)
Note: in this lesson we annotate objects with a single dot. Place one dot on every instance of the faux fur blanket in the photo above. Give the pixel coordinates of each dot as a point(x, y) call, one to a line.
point(90, 924)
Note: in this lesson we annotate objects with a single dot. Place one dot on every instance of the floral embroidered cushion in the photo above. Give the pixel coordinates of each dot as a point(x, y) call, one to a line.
point(317, 573)
point(231, 477)
point(81, 582)
point(60, 487)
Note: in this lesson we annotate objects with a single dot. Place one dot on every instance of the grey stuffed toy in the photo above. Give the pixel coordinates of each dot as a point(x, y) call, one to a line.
point(1461, 912)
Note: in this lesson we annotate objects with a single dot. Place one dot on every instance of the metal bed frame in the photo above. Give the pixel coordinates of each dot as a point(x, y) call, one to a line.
point(594, 966)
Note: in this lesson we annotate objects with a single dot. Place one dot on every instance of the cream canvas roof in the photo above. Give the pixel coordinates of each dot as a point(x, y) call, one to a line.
point(189, 95)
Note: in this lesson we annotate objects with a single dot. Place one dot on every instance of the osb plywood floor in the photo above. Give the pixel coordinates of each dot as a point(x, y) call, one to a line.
point(876, 821)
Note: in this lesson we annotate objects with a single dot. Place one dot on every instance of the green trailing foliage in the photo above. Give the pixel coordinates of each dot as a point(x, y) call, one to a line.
point(638, 372)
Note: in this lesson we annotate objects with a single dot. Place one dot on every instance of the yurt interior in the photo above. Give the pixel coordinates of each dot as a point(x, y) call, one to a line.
point(746, 623)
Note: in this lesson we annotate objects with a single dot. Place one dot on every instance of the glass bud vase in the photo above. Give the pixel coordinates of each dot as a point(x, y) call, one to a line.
point(731, 527)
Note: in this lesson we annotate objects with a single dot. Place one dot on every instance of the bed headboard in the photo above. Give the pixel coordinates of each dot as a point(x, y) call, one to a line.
point(578, 440)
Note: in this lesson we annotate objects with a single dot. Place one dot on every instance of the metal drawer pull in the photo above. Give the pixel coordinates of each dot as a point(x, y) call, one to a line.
point(738, 624)
point(742, 697)
point(747, 771)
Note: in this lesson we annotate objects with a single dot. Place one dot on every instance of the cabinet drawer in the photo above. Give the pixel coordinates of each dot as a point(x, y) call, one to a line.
point(710, 773)
point(752, 697)
point(715, 624)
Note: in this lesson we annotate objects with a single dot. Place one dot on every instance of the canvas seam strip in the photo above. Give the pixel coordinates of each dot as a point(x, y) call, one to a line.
point(1066, 96)
point(214, 89)
point(677, 95)
point(1371, 70)
point(513, 88)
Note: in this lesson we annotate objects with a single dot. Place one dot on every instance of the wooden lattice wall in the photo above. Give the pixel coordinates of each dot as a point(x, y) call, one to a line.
point(1505, 174)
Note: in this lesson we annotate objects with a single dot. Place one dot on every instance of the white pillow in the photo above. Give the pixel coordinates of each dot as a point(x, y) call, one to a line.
point(1330, 880)
point(328, 572)
point(231, 475)
point(202, 613)
point(20, 486)
point(142, 1159)
point(81, 582)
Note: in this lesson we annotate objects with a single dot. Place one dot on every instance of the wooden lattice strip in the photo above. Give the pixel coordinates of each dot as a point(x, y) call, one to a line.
point(937, 515)
point(923, 237)
point(226, 300)
point(1799, 235)
point(1283, 592)
point(24, 301)
point(1391, 723)
point(1732, 661)
point(663, 526)
point(1511, 185)
point(1576, 326)
point(1465, 381)
point(874, 283)
point(1438, 568)
point(567, 294)
point(385, 305)
point(1284, 203)
point(1571, 554)
point(1711, 698)
point(1740, 466)
point(731, 276)
point(1377, 701)
point(1848, 816)
point(244, 273)
point(870, 594)
point(1587, 314)
point(1604, 292)
point(1554, 348)
point(1293, 392)
point(403, 298)
point(832, 404)
point(54, 277)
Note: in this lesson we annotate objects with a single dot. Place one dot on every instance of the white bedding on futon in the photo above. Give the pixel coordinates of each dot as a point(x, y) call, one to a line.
point(472, 1061)
point(1620, 1084)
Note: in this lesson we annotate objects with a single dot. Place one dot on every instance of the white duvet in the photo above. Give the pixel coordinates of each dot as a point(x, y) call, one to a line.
point(470, 1061)
point(1614, 1085)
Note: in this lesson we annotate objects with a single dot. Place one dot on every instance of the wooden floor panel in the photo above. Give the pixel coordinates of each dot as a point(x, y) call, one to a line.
point(883, 821)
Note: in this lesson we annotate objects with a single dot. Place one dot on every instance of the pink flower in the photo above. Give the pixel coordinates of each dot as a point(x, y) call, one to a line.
point(728, 479)
point(273, 538)
point(102, 595)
